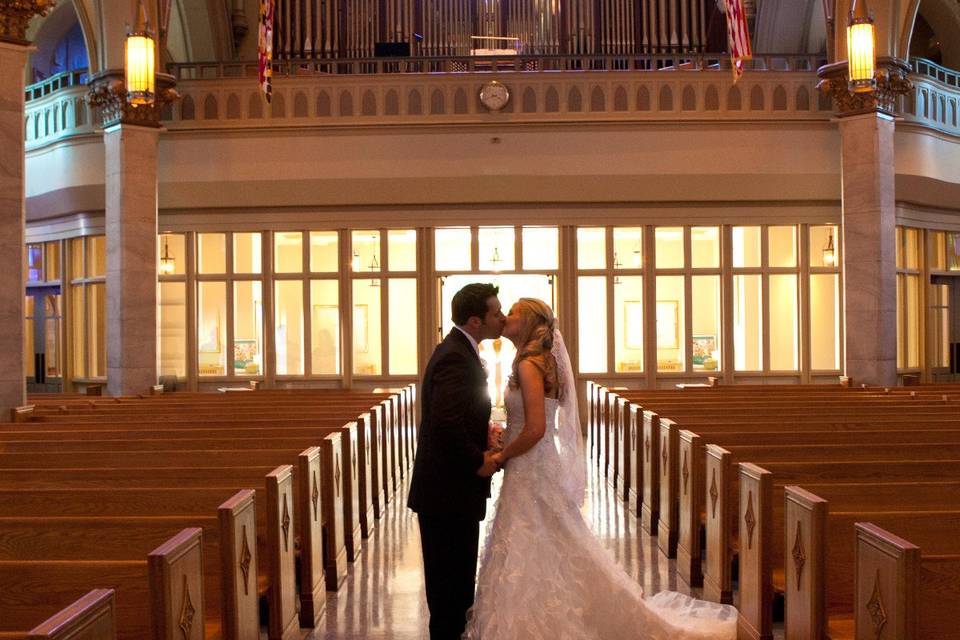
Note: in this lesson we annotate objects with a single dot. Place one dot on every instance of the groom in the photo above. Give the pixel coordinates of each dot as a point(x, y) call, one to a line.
point(452, 469)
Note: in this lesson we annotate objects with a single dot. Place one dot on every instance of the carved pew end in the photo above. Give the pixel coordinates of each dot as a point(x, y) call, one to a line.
point(92, 617)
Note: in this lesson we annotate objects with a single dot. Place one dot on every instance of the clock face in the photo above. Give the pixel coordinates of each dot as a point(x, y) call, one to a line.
point(494, 95)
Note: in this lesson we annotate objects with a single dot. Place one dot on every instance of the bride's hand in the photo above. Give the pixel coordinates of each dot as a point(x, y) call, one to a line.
point(499, 460)
point(495, 437)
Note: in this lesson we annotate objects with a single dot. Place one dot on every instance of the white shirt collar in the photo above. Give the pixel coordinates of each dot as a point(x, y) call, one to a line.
point(473, 342)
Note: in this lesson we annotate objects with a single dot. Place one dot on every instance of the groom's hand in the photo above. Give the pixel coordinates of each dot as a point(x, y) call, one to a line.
point(489, 466)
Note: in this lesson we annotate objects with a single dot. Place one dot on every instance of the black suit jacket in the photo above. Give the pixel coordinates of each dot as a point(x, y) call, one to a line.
point(454, 419)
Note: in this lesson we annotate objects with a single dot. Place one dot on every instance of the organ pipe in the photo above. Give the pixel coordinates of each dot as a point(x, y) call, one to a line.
point(331, 29)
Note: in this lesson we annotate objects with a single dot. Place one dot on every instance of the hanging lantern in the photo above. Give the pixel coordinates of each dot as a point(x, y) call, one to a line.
point(167, 263)
point(861, 49)
point(140, 69)
point(829, 253)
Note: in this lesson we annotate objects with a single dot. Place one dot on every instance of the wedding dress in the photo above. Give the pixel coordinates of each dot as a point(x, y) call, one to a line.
point(544, 575)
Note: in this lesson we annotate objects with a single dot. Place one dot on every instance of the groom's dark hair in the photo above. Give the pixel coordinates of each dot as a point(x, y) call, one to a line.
point(472, 301)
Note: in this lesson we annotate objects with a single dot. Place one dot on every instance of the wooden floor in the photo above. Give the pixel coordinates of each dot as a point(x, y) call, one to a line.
point(383, 594)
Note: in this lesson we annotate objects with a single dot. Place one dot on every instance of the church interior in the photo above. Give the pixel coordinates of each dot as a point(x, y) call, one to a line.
point(753, 255)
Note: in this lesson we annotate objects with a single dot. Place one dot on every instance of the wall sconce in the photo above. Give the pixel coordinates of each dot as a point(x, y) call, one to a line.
point(140, 67)
point(616, 265)
point(861, 49)
point(167, 263)
point(829, 252)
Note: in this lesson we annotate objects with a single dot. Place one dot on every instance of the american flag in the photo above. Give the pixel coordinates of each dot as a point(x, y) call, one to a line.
point(738, 36)
point(265, 48)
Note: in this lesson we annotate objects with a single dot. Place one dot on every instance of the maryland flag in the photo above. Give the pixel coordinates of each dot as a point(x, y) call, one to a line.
point(265, 48)
point(738, 36)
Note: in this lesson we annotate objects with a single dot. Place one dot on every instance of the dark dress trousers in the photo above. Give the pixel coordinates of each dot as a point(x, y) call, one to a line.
point(445, 491)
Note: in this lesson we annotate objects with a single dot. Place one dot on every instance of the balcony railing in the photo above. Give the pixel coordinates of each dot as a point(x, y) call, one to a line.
point(491, 64)
point(935, 100)
point(75, 78)
point(929, 69)
point(382, 91)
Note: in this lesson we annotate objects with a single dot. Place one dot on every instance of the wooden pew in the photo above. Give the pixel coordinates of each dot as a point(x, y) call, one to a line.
point(819, 550)
point(155, 589)
point(688, 462)
point(904, 590)
point(269, 548)
point(92, 617)
point(724, 507)
point(796, 528)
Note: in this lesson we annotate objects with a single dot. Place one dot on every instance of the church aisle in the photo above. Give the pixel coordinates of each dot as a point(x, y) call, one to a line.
point(383, 596)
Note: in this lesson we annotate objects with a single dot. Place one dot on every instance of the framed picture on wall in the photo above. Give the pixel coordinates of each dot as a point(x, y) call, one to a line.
point(668, 324)
point(703, 347)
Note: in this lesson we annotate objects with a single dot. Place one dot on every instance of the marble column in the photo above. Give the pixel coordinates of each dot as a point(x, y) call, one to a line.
point(131, 221)
point(866, 126)
point(13, 58)
point(869, 242)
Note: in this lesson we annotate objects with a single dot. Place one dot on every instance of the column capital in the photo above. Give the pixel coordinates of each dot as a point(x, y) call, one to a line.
point(15, 15)
point(108, 94)
point(892, 82)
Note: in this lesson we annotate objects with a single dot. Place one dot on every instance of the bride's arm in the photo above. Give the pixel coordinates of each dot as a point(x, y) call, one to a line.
point(535, 420)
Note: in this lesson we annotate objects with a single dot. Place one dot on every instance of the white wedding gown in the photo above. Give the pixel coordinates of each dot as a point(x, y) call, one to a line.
point(544, 575)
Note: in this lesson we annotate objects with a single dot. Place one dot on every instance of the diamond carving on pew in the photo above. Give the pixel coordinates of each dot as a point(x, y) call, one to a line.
point(799, 557)
point(750, 520)
point(187, 611)
point(285, 524)
point(336, 476)
point(663, 456)
point(353, 460)
point(245, 558)
point(714, 494)
point(646, 446)
point(685, 472)
point(878, 615)
point(315, 496)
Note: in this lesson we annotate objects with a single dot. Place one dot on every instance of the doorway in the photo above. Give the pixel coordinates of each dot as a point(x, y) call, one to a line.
point(497, 355)
point(945, 309)
point(43, 340)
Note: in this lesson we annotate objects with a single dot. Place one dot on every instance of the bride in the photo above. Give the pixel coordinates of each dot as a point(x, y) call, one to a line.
point(543, 574)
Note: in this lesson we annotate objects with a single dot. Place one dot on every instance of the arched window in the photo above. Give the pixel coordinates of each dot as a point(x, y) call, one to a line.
point(60, 46)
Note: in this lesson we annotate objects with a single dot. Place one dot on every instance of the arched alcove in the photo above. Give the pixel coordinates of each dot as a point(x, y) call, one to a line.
point(346, 103)
point(300, 105)
point(733, 99)
point(529, 101)
point(187, 109)
point(437, 105)
point(598, 101)
point(210, 110)
point(368, 104)
point(414, 103)
point(233, 107)
point(391, 103)
point(620, 99)
point(323, 104)
point(643, 99)
point(552, 102)
point(665, 102)
point(255, 106)
point(460, 101)
point(711, 99)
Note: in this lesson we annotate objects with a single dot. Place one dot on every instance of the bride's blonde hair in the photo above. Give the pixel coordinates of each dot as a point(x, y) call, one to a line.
point(535, 342)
